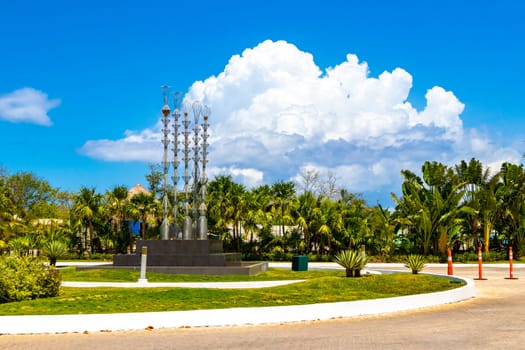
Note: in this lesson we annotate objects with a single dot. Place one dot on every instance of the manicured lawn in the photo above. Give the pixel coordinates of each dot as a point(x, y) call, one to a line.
point(119, 275)
point(319, 287)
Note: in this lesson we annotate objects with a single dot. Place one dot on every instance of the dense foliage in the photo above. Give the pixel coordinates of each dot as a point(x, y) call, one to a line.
point(462, 206)
point(25, 278)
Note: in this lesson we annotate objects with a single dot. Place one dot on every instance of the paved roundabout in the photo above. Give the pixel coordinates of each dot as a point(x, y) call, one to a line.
point(495, 318)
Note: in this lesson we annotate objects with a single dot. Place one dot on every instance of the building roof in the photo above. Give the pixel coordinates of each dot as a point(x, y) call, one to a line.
point(138, 188)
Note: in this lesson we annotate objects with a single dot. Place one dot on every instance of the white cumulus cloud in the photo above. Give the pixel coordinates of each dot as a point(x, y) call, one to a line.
point(274, 112)
point(249, 177)
point(27, 105)
point(142, 146)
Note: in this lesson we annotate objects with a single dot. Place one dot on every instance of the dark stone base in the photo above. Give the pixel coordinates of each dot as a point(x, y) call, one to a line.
point(179, 253)
point(188, 257)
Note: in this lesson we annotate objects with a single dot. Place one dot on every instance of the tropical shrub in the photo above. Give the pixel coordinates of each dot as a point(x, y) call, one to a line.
point(277, 253)
point(23, 278)
point(415, 263)
point(353, 261)
point(54, 250)
point(21, 245)
point(493, 256)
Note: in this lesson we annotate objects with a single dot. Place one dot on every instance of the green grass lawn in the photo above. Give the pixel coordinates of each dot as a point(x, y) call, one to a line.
point(120, 275)
point(320, 287)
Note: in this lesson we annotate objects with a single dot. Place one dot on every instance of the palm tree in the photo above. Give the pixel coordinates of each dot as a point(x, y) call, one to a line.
point(331, 223)
point(115, 205)
point(13, 229)
point(481, 189)
point(115, 201)
point(383, 228)
point(432, 207)
point(304, 216)
point(142, 207)
point(22, 245)
point(489, 206)
point(323, 221)
point(85, 208)
point(512, 194)
point(413, 210)
point(220, 202)
point(227, 206)
point(256, 202)
point(239, 209)
point(355, 218)
point(283, 194)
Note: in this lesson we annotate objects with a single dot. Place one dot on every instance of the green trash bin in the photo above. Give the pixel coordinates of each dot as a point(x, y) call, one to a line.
point(299, 263)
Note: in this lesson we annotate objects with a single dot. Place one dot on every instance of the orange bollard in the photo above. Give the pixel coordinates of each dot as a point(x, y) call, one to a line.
point(511, 272)
point(450, 269)
point(480, 265)
point(510, 262)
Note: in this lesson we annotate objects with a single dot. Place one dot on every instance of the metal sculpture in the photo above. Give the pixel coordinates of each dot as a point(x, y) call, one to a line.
point(194, 141)
point(164, 229)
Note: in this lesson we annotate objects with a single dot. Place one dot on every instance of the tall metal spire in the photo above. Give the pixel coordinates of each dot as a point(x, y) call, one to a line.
point(175, 177)
point(164, 229)
point(194, 145)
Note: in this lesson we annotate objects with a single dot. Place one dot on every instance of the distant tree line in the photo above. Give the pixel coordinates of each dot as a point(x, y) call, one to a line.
point(462, 207)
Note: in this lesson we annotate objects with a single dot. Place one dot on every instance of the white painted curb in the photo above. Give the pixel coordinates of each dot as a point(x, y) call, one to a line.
point(229, 317)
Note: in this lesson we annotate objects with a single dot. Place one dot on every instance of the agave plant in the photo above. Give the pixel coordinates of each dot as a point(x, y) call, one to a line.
point(352, 261)
point(416, 263)
point(53, 250)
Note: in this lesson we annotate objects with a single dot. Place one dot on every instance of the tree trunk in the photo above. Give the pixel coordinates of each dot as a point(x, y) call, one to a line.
point(90, 237)
point(143, 224)
point(282, 222)
point(307, 241)
point(486, 236)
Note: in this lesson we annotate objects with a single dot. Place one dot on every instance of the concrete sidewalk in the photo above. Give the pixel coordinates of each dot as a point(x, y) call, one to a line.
point(214, 285)
point(229, 317)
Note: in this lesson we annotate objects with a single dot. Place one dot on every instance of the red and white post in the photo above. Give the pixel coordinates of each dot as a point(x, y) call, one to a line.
point(480, 264)
point(511, 271)
point(510, 263)
point(450, 269)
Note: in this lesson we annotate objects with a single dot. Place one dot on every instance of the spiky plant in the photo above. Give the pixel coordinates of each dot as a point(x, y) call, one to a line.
point(415, 263)
point(352, 261)
point(53, 250)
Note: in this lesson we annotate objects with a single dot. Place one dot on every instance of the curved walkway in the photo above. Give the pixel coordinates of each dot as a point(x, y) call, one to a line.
point(214, 285)
point(228, 317)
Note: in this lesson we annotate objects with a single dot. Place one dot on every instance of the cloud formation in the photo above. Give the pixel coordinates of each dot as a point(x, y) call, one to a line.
point(276, 113)
point(143, 146)
point(27, 105)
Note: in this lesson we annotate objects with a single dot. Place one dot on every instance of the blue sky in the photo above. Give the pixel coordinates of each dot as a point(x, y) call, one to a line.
point(359, 89)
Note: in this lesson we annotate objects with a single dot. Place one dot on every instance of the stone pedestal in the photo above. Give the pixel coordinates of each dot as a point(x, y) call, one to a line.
point(180, 253)
point(188, 256)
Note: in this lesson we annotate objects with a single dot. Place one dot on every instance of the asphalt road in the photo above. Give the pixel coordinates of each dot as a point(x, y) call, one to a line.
point(493, 320)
